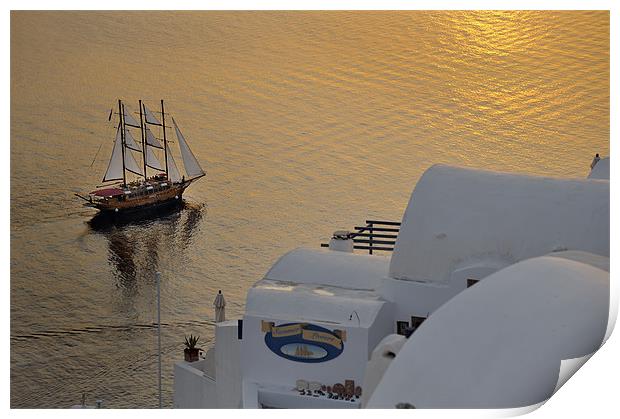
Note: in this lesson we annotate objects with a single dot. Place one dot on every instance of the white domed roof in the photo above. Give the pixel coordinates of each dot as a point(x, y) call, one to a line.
point(458, 215)
point(499, 344)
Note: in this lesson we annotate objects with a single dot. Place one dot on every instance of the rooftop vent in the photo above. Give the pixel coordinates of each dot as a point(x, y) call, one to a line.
point(341, 241)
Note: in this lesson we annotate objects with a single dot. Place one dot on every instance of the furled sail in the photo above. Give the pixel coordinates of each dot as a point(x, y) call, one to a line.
point(130, 142)
point(173, 171)
point(192, 167)
point(150, 118)
point(115, 166)
point(152, 161)
point(129, 119)
point(151, 140)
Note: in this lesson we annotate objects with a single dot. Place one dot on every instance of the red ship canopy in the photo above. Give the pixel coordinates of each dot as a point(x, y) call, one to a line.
point(107, 192)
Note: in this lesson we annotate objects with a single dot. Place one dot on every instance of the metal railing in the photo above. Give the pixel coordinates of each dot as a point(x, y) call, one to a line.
point(375, 235)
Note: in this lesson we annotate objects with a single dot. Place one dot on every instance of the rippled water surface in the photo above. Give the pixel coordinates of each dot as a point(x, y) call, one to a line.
point(306, 122)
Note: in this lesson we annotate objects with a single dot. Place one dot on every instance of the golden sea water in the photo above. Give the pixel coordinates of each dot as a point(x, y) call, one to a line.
point(306, 122)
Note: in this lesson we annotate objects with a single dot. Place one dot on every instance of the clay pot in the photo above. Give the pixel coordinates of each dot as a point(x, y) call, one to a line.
point(191, 355)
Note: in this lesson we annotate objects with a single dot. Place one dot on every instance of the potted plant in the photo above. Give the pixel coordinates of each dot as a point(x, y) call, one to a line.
point(191, 351)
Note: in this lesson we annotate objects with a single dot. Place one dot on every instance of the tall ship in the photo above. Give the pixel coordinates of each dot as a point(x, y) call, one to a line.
point(136, 178)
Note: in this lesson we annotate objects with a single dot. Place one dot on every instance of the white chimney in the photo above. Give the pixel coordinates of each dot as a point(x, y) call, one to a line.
point(341, 241)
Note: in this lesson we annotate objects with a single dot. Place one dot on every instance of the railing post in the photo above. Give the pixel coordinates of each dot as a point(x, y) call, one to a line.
point(372, 232)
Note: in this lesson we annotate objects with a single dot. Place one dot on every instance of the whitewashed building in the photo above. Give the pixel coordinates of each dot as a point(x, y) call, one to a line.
point(325, 328)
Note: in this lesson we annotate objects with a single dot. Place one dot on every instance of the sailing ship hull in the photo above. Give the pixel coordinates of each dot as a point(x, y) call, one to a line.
point(123, 204)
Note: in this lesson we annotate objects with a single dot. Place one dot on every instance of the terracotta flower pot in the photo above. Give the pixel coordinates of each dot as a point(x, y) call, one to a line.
point(191, 355)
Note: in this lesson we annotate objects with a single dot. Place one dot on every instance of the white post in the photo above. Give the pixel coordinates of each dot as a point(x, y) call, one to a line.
point(158, 276)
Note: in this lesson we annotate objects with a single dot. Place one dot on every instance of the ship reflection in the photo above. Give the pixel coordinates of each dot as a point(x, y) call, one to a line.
point(137, 242)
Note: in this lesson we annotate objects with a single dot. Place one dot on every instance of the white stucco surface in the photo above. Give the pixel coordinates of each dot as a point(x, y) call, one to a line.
point(228, 365)
point(301, 302)
point(261, 365)
point(192, 388)
point(598, 261)
point(382, 356)
point(499, 344)
point(325, 267)
point(459, 216)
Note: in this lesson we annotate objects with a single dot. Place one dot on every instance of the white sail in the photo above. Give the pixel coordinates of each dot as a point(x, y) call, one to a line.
point(129, 119)
point(150, 118)
point(115, 166)
point(152, 161)
point(192, 167)
point(130, 142)
point(131, 164)
point(151, 140)
point(173, 171)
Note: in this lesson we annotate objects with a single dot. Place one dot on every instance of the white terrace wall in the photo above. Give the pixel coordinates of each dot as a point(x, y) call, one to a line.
point(259, 364)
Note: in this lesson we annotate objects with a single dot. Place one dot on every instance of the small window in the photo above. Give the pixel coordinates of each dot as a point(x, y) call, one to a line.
point(471, 282)
point(416, 321)
point(402, 327)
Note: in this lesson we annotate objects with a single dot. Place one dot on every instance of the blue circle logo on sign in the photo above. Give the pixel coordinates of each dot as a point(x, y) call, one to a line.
point(303, 342)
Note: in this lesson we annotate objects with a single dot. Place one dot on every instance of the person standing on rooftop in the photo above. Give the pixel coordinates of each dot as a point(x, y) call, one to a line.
point(220, 307)
point(596, 159)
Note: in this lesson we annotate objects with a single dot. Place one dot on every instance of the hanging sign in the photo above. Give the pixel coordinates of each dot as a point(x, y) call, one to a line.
point(303, 342)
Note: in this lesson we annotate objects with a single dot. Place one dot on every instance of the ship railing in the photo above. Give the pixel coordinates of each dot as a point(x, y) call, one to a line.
point(376, 235)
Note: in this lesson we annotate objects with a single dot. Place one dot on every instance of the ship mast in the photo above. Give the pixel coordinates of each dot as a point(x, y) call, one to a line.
point(121, 112)
point(143, 140)
point(163, 124)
